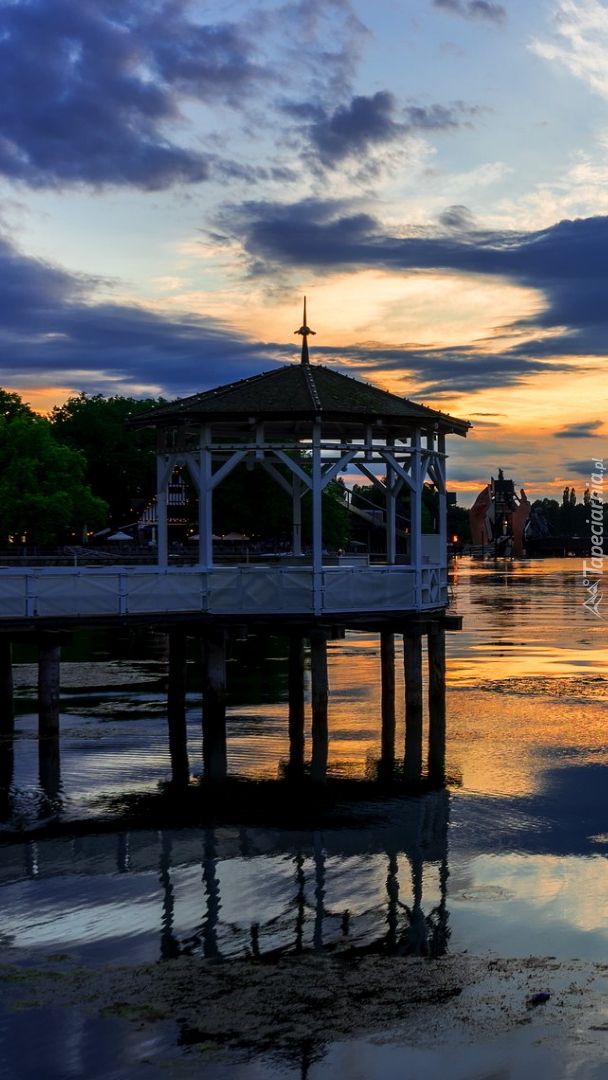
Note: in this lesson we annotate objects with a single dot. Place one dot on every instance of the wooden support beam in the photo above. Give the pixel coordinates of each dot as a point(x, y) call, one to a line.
point(387, 676)
point(214, 706)
point(176, 706)
point(296, 705)
point(49, 682)
point(7, 703)
point(49, 666)
point(319, 697)
point(437, 714)
point(412, 663)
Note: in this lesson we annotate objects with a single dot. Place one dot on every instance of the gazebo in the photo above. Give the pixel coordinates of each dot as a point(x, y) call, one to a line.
point(307, 424)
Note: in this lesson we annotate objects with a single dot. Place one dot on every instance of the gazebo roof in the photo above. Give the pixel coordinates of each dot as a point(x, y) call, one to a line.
point(302, 392)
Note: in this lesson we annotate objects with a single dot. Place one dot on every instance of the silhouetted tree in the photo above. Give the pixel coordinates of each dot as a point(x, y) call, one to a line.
point(43, 494)
point(120, 460)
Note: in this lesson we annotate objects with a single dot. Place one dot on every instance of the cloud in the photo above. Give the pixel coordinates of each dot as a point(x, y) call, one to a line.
point(458, 218)
point(438, 373)
point(53, 332)
point(568, 261)
point(88, 90)
point(582, 40)
point(366, 122)
point(579, 431)
point(580, 468)
point(473, 9)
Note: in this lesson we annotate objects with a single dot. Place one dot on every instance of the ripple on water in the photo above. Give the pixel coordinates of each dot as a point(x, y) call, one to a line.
point(573, 686)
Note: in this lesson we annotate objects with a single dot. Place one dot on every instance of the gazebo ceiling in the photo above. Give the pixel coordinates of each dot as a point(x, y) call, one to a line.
point(301, 393)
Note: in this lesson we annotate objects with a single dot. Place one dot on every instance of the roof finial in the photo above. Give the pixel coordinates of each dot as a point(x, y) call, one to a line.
point(305, 331)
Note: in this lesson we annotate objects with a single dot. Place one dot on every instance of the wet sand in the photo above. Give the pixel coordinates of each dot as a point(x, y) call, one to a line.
point(263, 1007)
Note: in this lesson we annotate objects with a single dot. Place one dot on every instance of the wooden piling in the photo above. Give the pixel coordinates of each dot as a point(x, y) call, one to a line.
point(296, 704)
point(7, 703)
point(319, 696)
point(176, 706)
point(49, 661)
point(387, 676)
point(214, 706)
point(412, 662)
point(437, 714)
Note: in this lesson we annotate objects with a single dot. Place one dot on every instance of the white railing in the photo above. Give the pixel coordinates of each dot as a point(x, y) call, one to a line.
point(62, 592)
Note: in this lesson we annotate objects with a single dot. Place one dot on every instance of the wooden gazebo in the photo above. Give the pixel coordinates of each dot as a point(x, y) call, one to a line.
point(306, 424)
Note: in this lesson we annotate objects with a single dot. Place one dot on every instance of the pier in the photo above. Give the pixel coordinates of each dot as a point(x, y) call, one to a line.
point(306, 426)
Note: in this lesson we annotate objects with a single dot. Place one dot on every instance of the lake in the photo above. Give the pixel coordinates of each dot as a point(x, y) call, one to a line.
point(510, 860)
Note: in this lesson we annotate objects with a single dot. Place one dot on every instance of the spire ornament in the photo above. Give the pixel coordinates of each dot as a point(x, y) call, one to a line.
point(304, 331)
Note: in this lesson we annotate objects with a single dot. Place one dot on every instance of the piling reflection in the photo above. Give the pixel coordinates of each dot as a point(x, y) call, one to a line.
point(318, 905)
point(7, 769)
point(49, 776)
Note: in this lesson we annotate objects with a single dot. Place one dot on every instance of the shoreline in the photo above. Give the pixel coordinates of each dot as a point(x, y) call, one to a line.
point(274, 1007)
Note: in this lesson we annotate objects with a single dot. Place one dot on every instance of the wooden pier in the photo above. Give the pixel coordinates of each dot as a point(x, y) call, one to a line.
point(304, 425)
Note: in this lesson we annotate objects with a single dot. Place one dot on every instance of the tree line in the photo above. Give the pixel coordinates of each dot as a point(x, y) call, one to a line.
point(83, 468)
point(71, 472)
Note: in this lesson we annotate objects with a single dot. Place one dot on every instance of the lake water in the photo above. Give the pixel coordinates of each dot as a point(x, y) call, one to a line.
point(510, 860)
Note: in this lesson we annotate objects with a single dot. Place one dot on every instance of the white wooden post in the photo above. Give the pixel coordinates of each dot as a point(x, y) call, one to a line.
point(391, 517)
point(416, 506)
point(296, 489)
point(205, 499)
point(162, 540)
point(443, 501)
point(317, 517)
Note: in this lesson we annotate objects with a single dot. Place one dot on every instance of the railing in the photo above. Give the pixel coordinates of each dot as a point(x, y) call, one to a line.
point(80, 593)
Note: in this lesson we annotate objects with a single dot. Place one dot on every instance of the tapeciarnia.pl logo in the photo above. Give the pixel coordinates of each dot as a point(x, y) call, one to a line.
point(593, 570)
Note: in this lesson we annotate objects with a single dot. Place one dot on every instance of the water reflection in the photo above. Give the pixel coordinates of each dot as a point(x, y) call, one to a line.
point(528, 691)
point(259, 893)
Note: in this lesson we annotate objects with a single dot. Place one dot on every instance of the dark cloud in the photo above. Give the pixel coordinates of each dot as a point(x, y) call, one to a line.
point(473, 9)
point(567, 262)
point(581, 468)
point(457, 217)
point(89, 91)
point(579, 431)
point(53, 333)
point(438, 372)
point(53, 330)
point(355, 128)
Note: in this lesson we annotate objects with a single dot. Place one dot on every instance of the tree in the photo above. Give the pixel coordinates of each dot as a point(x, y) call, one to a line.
point(252, 502)
point(43, 495)
point(11, 405)
point(459, 523)
point(365, 494)
point(120, 460)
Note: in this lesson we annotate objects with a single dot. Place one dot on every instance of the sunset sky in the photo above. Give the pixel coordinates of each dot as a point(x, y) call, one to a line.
point(432, 174)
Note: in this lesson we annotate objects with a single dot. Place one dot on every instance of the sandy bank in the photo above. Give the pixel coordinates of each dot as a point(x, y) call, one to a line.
point(259, 1005)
